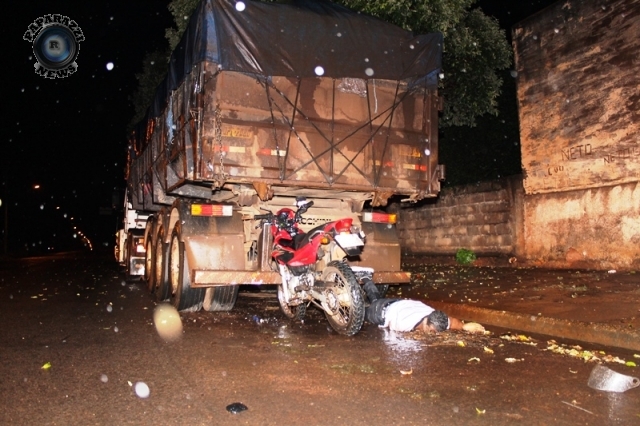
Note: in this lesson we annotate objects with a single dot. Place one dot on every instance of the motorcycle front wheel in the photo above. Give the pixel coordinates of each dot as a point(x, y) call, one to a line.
point(343, 304)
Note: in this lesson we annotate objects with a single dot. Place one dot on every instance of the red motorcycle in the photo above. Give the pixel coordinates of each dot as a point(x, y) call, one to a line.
point(313, 267)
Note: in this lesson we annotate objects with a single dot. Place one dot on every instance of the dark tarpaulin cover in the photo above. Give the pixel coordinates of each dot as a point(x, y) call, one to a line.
point(292, 38)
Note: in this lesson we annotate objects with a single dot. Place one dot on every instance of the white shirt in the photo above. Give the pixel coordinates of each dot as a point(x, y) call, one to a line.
point(404, 315)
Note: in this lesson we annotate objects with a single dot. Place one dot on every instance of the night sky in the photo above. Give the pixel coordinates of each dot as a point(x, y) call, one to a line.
point(69, 135)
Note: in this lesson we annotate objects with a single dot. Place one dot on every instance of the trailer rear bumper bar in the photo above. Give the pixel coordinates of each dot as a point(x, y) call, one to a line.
point(206, 278)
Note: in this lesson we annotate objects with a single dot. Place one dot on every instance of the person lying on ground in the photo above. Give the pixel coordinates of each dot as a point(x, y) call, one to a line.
point(408, 315)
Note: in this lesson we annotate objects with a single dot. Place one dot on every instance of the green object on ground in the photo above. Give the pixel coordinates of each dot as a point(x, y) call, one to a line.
point(465, 256)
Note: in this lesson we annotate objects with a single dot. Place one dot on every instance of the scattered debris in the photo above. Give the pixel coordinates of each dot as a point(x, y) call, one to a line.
point(479, 411)
point(46, 366)
point(578, 352)
point(512, 360)
point(460, 343)
point(488, 350)
point(406, 372)
point(519, 338)
point(605, 379)
point(575, 406)
point(474, 359)
point(236, 407)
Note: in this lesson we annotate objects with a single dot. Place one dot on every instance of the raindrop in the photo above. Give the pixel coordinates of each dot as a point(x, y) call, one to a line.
point(366, 59)
point(240, 6)
point(41, 206)
point(104, 378)
point(339, 34)
point(555, 30)
point(109, 66)
point(369, 72)
point(441, 75)
point(109, 308)
point(111, 18)
point(153, 62)
point(411, 46)
point(115, 329)
point(185, 17)
point(427, 152)
point(142, 390)
point(514, 73)
point(319, 70)
point(535, 37)
point(22, 90)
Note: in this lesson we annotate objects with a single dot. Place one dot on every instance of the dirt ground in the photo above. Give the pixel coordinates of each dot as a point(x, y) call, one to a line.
point(604, 297)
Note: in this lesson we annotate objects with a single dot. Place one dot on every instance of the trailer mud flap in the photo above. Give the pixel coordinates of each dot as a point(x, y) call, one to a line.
point(203, 278)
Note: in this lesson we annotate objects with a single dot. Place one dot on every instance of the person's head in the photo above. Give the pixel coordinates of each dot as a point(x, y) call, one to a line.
point(436, 321)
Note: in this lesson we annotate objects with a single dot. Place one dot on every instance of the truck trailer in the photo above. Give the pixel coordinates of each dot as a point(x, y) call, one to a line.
point(265, 103)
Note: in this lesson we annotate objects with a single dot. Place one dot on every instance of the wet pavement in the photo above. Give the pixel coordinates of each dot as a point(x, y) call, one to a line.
point(75, 314)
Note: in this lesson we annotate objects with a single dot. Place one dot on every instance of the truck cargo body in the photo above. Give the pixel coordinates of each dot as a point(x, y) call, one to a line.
point(252, 116)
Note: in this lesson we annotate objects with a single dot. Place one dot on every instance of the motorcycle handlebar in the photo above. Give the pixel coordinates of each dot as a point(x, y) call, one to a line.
point(303, 208)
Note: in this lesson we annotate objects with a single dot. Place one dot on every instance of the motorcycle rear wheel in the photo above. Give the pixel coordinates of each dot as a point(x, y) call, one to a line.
point(344, 304)
point(296, 312)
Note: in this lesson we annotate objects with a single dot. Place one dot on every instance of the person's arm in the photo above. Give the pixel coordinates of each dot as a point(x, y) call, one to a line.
point(455, 324)
point(471, 327)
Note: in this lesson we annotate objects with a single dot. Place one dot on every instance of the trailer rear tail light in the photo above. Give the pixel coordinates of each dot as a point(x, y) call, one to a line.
point(211, 210)
point(138, 246)
point(379, 217)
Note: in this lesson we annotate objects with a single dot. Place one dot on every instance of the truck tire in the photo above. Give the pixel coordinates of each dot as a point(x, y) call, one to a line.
point(344, 305)
point(183, 297)
point(127, 259)
point(149, 266)
point(220, 299)
point(160, 273)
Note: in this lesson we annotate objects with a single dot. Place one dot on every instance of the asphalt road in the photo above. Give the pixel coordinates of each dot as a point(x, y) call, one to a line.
point(77, 314)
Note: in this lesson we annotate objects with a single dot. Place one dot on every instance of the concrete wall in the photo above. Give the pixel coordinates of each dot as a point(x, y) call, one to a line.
point(595, 228)
point(579, 95)
point(486, 218)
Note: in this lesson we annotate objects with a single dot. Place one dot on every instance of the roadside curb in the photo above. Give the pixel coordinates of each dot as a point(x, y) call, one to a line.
point(596, 333)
